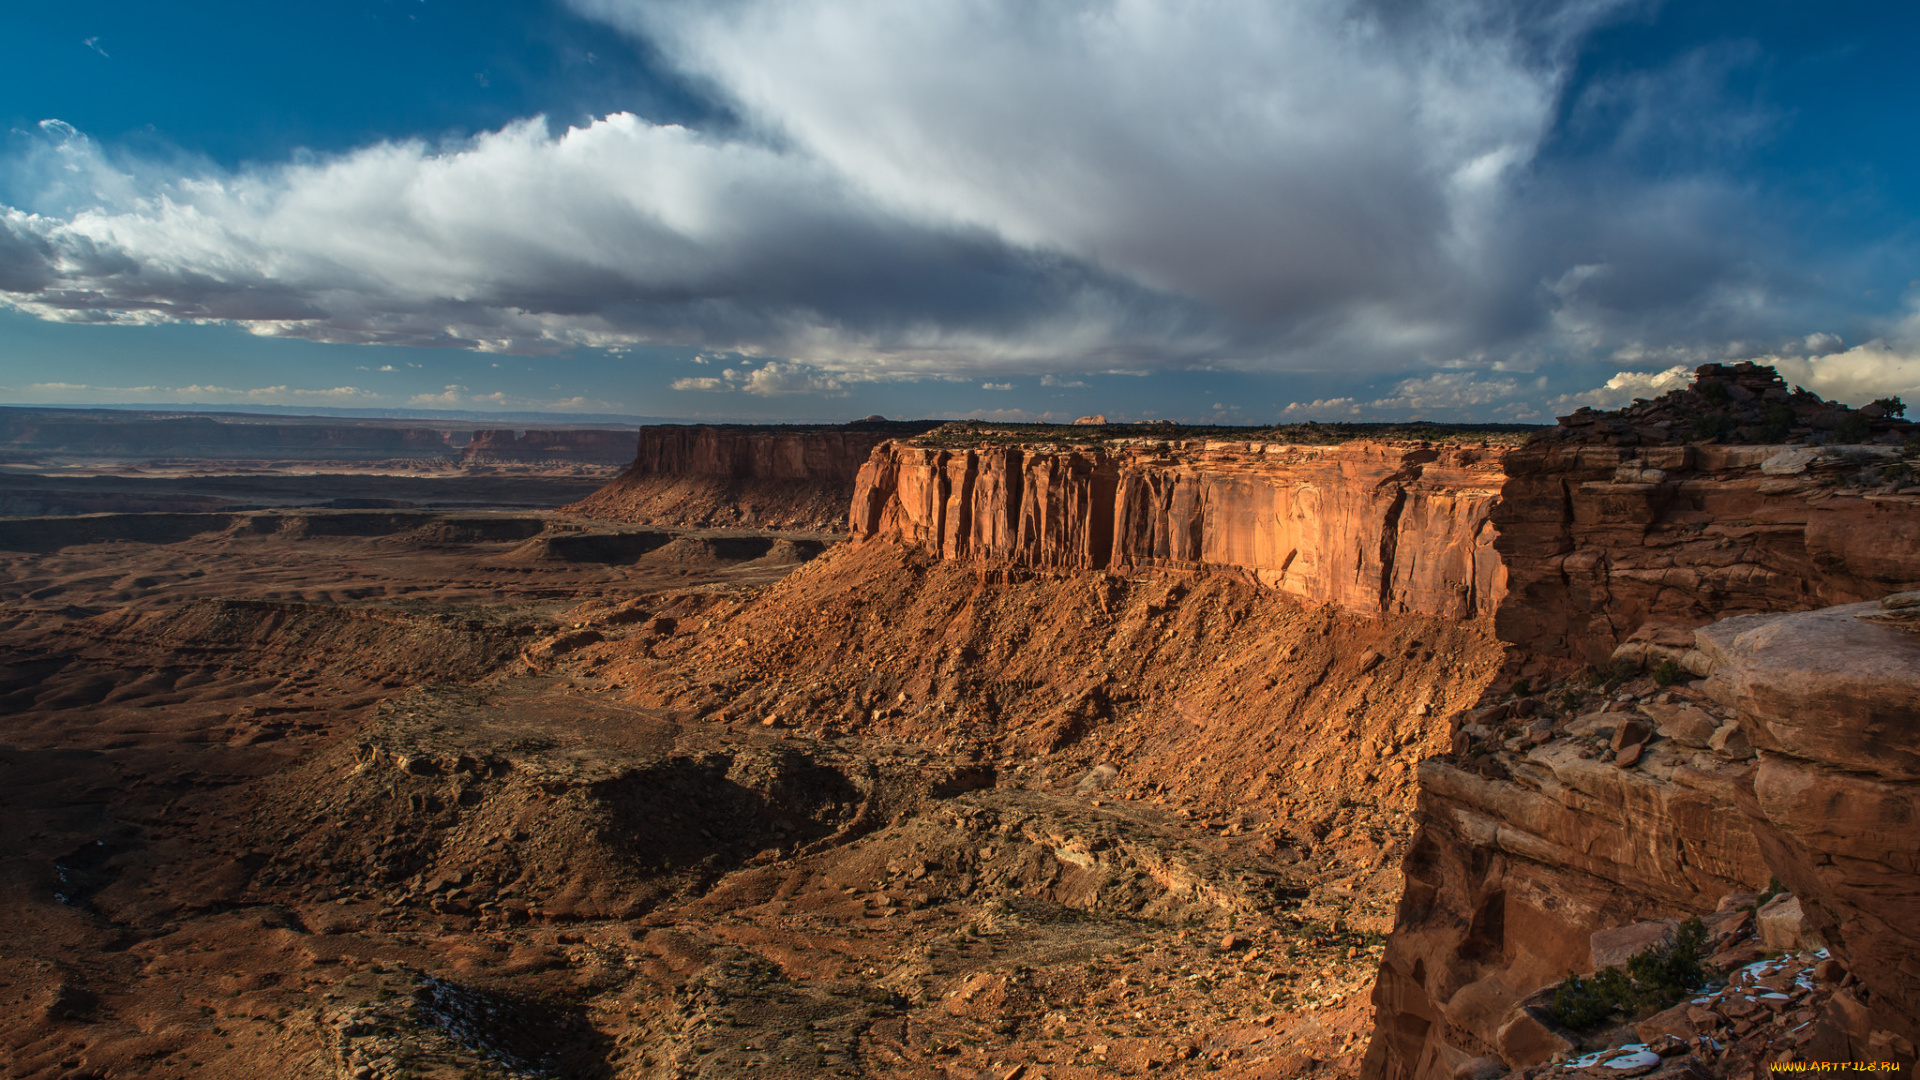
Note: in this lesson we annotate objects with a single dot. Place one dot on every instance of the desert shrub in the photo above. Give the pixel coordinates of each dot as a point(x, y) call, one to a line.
point(1623, 669)
point(1712, 425)
point(1713, 391)
point(1780, 421)
point(1655, 979)
point(1520, 688)
point(1853, 429)
point(1891, 406)
point(1666, 673)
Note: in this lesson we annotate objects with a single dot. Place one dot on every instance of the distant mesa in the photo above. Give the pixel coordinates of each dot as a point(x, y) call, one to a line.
point(1095, 419)
point(873, 418)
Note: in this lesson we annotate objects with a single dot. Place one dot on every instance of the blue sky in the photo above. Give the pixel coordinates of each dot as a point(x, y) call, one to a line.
point(818, 209)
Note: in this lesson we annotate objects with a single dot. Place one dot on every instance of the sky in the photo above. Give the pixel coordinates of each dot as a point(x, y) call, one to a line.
point(1201, 210)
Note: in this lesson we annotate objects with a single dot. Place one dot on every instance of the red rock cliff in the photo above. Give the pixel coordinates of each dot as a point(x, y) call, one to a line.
point(1370, 527)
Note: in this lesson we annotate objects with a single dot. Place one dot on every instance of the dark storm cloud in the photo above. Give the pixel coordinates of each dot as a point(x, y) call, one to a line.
point(969, 186)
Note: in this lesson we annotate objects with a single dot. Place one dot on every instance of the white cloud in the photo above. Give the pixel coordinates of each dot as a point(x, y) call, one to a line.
point(996, 386)
point(1858, 375)
point(1624, 387)
point(1057, 380)
point(1324, 407)
point(1457, 392)
point(704, 384)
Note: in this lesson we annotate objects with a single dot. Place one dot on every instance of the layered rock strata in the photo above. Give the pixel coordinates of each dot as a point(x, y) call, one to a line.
point(1797, 758)
point(587, 447)
point(793, 476)
point(1734, 495)
point(1369, 527)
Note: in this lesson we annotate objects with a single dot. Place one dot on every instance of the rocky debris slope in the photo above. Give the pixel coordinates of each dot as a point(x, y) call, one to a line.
point(1371, 527)
point(1551, 821)
point(1191, 687)
point(1627, 530)
point(775, 476)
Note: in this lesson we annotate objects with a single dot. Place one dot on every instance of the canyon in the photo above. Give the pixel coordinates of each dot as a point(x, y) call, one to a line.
point(982, 750)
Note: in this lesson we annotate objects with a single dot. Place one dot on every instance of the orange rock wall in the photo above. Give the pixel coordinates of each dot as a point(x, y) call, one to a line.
point(1369, 527)
point(1603, 543)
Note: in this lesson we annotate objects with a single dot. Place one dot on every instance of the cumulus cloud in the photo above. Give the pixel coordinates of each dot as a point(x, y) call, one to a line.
point(975, 186)
point(773, 379)
point(1624, 387)
point(1061, 381)
point(1857, 375)
point(1324, 407)
point(1462, 392)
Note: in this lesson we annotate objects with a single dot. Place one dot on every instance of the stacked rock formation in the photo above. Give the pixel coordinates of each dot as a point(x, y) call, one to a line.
point(1735, 403)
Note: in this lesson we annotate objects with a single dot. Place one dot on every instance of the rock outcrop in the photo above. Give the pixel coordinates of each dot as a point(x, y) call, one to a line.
point(1616, 531)
point(1539, 835)
point(1370, 527)
point(779, 476)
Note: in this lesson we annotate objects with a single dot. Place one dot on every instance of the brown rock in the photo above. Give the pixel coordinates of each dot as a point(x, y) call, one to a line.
point(1485, 1067)
point(1629, 757)
point(1677, 1022)
point(1614, 947)
point(1528, 1038)
point(1782, 924)
point(1632, 731)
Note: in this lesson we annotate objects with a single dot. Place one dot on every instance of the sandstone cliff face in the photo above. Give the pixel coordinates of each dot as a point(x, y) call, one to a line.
point(1369, 527)
point(585, 447)
point(1606, 545)
point(1832, 702)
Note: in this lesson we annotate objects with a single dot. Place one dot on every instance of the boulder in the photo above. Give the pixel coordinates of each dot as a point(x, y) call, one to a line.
point(1614, 947)
point(1631, 731)
point(1684, 724)
point(1529, 1038)
point(1782, 924)
point(1484, 1067)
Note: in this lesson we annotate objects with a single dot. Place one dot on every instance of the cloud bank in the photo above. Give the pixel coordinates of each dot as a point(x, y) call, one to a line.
point(971, 188)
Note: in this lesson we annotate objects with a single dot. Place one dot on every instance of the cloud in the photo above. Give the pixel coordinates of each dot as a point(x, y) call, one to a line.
point(1624, 387)
point(981, 187)
point(1459, 392)
point(1308, 410)
point(996, 386)
point(1056, 380)
point(84, 393)
point(94, 44)
point(1857, 375)
point(773, 379)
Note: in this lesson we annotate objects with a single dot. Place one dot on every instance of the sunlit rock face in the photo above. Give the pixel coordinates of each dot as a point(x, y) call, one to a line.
point(1369, 527)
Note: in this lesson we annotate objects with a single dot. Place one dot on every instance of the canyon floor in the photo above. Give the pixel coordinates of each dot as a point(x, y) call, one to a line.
point(406, 793)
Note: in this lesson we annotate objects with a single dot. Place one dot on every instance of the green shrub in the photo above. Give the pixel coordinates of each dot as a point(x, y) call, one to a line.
point(1667, 673)
point(1780, 421)
point(1520, 688)
point(1713, 391)
point(1712, 425)
point(1623, 669)
point(1654, 980)
point(1855, 428)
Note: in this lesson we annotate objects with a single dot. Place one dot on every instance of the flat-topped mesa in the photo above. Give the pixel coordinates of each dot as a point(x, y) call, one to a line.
point(785, 475)
point(581, 446)
point(1369, 526)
